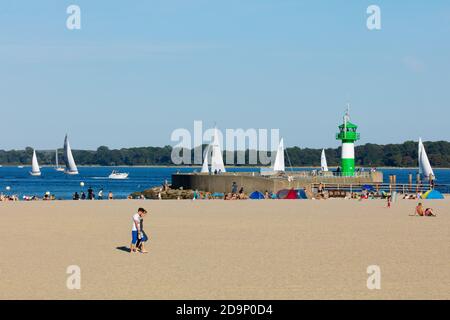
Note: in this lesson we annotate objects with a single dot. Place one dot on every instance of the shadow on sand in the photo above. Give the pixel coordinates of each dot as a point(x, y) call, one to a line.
point(124, 249)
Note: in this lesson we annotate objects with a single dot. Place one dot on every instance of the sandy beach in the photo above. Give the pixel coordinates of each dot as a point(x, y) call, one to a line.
point(282, 249)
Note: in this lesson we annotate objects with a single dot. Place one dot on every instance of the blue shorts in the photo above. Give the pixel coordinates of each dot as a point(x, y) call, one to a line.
point(134, 237)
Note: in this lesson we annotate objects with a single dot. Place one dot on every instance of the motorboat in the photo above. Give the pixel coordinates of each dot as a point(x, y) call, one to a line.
point(118, 175)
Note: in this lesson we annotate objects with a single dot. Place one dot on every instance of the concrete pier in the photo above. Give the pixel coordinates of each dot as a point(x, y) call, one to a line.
point(273, 183)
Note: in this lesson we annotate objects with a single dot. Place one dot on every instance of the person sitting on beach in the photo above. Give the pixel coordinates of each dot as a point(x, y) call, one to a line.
point(138, 236)
point(428, 212)
point(76, 196)
point(242, 196)
point(419, 210)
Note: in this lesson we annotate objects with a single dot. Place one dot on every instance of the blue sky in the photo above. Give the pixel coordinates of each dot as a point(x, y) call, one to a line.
point(137, 70)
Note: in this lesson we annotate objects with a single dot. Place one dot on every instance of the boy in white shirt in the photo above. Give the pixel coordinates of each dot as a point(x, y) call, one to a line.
point(138, 236)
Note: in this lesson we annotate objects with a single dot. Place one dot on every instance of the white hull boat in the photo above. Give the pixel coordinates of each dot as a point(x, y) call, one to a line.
point(118, 175)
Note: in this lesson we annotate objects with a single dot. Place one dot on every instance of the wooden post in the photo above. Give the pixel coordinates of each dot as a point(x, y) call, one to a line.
point(390, 183)
point(394, 181)
point(410, 182)
point(417, 182)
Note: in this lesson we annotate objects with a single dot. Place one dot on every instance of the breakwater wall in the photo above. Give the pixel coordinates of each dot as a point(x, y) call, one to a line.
point(255, 182)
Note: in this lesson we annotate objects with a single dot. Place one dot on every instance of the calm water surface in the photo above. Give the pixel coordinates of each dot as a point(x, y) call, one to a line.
point(140, 178)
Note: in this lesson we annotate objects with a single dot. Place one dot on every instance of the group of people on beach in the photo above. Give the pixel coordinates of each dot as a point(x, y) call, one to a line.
point(47, 196)
point(5, 198)
point(91, 195)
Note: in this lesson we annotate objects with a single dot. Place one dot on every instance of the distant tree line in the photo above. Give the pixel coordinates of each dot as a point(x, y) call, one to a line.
point(370, 155)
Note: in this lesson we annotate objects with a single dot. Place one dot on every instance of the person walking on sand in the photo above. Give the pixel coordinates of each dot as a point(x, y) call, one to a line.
point(138, 236)
point(389, 202)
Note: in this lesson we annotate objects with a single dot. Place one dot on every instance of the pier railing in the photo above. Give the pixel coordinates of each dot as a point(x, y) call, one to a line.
point(385, 187)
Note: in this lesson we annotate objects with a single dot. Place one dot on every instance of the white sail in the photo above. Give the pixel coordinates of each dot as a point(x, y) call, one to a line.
point(35, 170)
point(323, 162)
point(205, 166)
point(425, 169)
point(216, 158)
point(71, 167)
point(278, 165)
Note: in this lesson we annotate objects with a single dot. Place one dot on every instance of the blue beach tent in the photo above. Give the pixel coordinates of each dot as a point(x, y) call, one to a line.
point(368, 187)
point(256, 195)
point(218, 195)
point(432, 194)
point(301, 194)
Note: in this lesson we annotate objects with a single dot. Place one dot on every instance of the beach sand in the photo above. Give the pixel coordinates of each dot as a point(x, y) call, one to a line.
point(285, 249)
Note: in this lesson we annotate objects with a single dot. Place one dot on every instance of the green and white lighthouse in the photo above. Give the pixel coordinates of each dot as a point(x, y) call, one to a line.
point(348, 135)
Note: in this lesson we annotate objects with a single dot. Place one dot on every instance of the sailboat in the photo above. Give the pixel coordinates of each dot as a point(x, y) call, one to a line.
point(278, 165)
point(217, 165)
point(57, 167)
point(71, 167)
point(425, 169)
point(35, 170)
point(323, 162)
